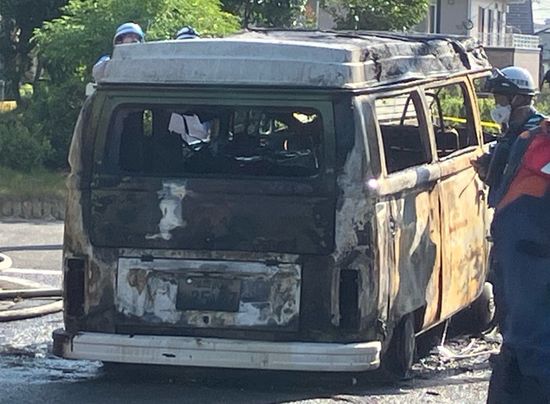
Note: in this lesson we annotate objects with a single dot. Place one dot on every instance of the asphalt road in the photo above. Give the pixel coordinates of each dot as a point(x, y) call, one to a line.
point(30, 374)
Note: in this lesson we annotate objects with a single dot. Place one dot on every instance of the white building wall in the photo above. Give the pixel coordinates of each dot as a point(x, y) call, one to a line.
point(454, 15)
point(463, 17)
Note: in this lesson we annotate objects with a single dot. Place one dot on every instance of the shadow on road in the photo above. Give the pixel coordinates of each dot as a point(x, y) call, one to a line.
point(56, 380)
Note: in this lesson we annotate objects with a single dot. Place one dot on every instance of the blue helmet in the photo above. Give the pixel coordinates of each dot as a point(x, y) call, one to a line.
point(187, 32)
point(128, 28)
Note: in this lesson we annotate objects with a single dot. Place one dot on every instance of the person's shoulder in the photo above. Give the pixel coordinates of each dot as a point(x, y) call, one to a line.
point(538, 117)
point(98, 70)
point(103, 59)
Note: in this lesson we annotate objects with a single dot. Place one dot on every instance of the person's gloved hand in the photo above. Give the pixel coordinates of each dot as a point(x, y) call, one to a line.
point(481, 165)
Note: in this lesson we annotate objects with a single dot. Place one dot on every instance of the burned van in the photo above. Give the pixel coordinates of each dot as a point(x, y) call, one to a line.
point(275, 200)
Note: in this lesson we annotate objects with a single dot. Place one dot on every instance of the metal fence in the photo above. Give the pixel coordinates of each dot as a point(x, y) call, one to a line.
point(508, 40)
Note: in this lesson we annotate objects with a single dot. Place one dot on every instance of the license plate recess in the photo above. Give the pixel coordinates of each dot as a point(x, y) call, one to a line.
point(208, 293)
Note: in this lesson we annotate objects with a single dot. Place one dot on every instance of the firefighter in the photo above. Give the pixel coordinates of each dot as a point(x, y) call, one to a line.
point(521, 236)
point(519, 176)
point(187, 32)
point(513, 89)
point(126, 33)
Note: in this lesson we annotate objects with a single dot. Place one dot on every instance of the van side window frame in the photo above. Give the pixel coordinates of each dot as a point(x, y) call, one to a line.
point(417, 101)
point(473, 123)
point(477, 108)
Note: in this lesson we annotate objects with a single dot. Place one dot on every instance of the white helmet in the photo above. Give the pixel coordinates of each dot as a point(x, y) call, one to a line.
point(511, 80)
point(187, 32)
point(129, 28)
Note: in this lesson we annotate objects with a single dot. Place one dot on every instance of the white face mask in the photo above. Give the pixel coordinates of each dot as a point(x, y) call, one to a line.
point(501, 113)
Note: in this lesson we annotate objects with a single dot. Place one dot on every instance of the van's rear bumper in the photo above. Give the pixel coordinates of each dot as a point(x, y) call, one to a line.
point(219, 353)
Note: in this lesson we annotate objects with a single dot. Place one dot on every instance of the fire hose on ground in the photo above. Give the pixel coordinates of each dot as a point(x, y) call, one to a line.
point(26, 292)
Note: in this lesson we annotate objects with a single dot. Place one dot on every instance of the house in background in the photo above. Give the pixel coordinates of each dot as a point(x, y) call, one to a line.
point(520, 17)
point(490, 22)
point(544, 34)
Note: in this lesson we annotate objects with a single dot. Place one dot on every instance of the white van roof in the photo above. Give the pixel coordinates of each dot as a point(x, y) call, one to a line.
point(312, 59)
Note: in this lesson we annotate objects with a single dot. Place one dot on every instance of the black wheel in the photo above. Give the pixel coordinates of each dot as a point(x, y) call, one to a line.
point(480, 317)
point(397, 361)
point(484, 308)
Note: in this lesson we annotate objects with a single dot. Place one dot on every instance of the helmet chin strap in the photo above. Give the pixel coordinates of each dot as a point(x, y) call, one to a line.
point(519, 115)
point(513, 99)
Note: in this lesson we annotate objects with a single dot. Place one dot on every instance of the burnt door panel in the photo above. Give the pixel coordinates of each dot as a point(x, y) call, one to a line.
point(463, 209)
point(178, 215)
point(416, 234)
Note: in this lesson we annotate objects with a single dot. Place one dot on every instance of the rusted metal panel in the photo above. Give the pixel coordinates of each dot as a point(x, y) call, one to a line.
point(200, 293)
point(279, 245)
point(177, 216)
point(417, 239)
point(100, 268)
point(346, 59)
point(354, 249)
point(464, 249)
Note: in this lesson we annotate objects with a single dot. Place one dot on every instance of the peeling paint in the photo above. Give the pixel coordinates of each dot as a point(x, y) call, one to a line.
point(269, 294)
point(171, 196)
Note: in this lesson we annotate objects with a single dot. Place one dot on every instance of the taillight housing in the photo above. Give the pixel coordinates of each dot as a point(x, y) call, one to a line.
point(74, 286)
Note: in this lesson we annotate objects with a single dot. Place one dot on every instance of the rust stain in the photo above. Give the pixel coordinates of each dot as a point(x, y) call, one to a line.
point(137, 278)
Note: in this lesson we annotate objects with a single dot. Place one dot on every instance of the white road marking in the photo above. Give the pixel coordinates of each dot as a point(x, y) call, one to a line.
point(22, 282)
point(56, 272)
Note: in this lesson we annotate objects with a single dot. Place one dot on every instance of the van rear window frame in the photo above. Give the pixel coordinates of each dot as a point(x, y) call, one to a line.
point(108, 158)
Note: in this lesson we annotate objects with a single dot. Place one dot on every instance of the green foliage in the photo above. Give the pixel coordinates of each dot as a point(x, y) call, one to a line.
point(485, 107)
point(22, 147)
point(54, 109)
point(452, 101)
point(18, 20)
point(29, 184)
point(377, 14)
point(543, 101)
point(267, 13)
point(26, 91)
point(70, 45)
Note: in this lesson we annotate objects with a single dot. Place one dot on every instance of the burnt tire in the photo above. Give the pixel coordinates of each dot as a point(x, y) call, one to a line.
point(480, 316)
point(484, 308)
point(397, 361)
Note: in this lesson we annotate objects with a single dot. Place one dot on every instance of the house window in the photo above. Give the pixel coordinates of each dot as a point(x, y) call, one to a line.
point(432, 24)
point(481, 20)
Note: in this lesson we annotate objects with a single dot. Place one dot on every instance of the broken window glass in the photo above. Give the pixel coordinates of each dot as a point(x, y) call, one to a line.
point(256, 141)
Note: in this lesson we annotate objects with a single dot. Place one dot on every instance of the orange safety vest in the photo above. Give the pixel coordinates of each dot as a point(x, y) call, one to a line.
point(532, 176)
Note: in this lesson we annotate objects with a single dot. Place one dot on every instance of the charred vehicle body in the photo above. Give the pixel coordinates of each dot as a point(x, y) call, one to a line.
point(275, 200)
